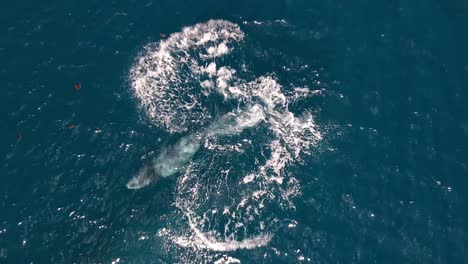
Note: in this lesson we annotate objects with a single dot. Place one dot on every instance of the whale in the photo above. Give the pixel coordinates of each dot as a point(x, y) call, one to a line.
point(175, 158)
point(171, 161)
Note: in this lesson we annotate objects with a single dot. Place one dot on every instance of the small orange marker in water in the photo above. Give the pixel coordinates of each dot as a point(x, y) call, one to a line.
point(162, 35)
point(77, 86)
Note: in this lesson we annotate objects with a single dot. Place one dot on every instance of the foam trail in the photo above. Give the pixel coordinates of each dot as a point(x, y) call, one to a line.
point(214, 244)
point(171, 71)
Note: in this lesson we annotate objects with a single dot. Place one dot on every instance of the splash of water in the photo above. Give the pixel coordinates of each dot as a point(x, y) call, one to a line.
point(226, 191)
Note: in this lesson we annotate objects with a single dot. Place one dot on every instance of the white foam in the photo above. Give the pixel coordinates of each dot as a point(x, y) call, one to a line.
point(210, 69)
point(216, 51)
point(211, 242)
point(227, 260)
point(236, 121)
point(164, 77)
point(294, 136)
point(224, 212)
point(224, 76)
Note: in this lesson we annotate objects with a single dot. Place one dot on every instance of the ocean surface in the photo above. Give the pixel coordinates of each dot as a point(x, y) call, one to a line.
point(295, 131)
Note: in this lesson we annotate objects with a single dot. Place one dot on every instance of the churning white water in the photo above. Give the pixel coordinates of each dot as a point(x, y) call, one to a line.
point(232, 168)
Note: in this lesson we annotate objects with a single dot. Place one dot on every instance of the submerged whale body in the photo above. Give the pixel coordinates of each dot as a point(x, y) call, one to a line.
point(174, 159)
point(144, 177)
point(169, 162)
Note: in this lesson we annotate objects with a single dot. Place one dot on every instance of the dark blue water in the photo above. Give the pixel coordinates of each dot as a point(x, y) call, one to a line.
point(385, 184)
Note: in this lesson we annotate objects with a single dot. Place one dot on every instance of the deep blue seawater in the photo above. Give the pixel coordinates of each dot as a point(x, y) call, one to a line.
point(386, 184)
